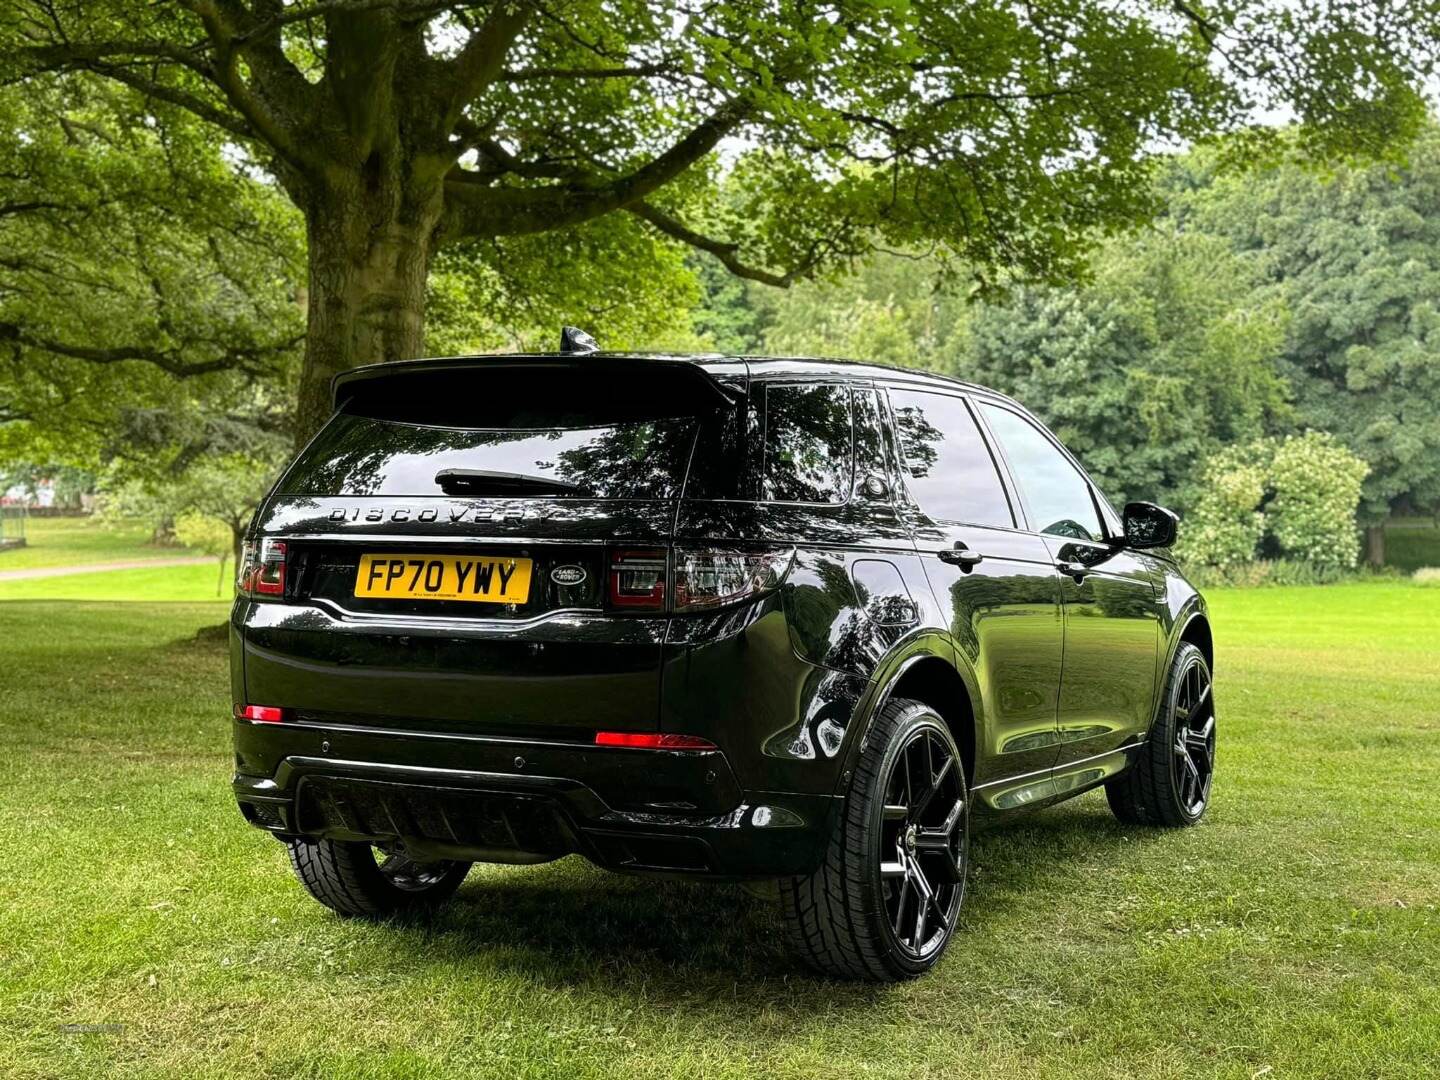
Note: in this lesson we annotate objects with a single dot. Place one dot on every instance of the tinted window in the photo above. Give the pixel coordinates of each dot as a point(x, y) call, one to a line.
point(951, 472)
point(625, 459)
point(807, 444)
point(1055, 493)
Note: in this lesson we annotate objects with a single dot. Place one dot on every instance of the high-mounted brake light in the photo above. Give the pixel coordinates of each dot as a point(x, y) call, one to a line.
point(637, 578)
point(706, 577)
point(653, 740)
point(262, 568)
point(265, 714)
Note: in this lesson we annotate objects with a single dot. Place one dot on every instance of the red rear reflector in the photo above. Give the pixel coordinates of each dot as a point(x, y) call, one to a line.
point(266, 714)
point(641, 740)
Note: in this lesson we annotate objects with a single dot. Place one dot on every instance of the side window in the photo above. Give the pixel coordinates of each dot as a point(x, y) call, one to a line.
point(1057, 495)
point(951, 473)
point(808, 455)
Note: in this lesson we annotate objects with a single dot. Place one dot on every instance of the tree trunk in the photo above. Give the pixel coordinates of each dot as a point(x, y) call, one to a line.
point(1375, 545)
point(369, 257)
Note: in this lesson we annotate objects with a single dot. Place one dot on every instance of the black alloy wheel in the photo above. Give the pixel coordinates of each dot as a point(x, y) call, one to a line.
point(1169, 782)
point(922, 853)
point(885, 902)
point(1194, 759)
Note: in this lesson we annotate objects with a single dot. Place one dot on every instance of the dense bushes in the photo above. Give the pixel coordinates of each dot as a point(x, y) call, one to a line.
point(1291, 499)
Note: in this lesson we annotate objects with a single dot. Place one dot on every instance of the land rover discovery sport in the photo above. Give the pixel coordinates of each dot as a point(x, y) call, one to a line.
point(716, 617)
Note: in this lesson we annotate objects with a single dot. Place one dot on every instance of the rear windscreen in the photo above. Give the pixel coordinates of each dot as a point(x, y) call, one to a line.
point(592, 456)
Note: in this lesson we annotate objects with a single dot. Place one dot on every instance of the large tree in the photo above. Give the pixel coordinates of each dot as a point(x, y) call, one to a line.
point(1009, 133)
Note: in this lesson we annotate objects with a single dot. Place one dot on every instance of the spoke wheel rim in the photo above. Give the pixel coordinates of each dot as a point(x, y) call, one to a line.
point(407, 874)
point(923, 843)
point(1193, 751)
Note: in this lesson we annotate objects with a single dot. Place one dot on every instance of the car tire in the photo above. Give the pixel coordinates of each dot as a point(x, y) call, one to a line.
point(1168, 785)
point(883, 905)
point(346, 877)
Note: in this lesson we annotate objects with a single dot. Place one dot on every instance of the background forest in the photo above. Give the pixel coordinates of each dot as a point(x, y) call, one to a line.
point(1264, 356)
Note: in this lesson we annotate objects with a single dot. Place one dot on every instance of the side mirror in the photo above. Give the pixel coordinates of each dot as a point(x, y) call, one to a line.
point(1149, 526)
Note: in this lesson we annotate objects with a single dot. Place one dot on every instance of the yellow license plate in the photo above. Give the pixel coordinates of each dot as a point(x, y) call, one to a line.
point(444, 577)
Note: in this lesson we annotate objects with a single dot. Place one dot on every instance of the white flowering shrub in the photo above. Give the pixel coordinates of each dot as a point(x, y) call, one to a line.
point(1316, 482)
point(1302, 492)
point(1227, 523)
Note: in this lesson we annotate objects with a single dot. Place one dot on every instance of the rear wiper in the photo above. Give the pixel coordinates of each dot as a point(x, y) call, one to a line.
point(490, 482)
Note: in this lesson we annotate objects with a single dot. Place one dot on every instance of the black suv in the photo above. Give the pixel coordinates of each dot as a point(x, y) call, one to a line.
point(713, 617)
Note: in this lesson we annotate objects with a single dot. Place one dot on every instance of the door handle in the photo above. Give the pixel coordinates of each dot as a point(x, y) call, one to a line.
point(961, 556)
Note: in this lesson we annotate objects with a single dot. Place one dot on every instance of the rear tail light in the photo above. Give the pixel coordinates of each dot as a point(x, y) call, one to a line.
point(637, 578)
point(265, 714)
point(706, 578)
point(262, 568)
point(654, 740)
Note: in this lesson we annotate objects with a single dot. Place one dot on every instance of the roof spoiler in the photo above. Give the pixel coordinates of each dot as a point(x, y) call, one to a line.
point(373, 377)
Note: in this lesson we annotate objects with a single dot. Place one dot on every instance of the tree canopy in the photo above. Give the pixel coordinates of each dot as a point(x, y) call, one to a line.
point(1008, 136)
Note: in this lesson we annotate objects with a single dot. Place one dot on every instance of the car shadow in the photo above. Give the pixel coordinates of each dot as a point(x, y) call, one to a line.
point(570, 924)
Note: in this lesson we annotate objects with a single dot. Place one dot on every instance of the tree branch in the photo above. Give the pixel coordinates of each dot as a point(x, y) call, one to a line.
point(727, 252)
point(477, 210)
point(121, 61)
point(233, 359)
point(637, 72)
point(224, 20)
point(482, 60)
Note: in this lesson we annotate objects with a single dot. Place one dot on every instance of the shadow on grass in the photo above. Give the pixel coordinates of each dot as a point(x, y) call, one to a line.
point(570, 924)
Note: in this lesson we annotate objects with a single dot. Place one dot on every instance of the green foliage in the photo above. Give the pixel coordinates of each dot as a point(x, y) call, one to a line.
point(1009, 138)
point(1353, 257)
point(221, 488)
point(1164, 357)
point(893, 310)
point(1297, 495)
point(619, 280)
point(147, 289)
point(1317, 489)
point(203, 533)
point(1227, 524)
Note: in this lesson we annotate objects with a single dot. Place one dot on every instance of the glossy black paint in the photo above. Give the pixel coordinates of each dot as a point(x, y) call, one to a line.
point(1043, 652)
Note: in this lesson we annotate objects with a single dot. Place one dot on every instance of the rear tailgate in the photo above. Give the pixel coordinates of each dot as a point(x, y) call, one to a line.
point(557, 664)
point(549, 469)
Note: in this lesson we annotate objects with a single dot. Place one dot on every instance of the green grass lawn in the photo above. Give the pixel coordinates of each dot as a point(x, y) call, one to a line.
point(71, 541)
point(1294, 933)
point(196, 582)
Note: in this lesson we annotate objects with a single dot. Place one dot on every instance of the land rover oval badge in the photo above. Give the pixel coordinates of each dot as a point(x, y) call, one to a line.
point(569, 574)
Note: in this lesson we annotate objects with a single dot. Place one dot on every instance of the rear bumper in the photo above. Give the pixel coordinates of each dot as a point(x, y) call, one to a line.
point(514, 800)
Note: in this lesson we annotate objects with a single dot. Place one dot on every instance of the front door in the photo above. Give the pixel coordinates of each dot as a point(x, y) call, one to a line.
point(1108, 597)
point(994, 583)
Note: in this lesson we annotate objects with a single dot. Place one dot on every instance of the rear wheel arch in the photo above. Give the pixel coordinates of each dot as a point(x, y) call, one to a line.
point(934, 681)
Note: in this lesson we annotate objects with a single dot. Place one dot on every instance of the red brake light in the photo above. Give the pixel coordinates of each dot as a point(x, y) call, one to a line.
point(654, 740)
point(262, 568)
point(265, 714)
point(637, 578)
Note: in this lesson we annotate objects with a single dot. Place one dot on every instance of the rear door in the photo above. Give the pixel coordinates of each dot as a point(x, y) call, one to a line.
point(452, 547)
point(994, 581)
point(1111, 610)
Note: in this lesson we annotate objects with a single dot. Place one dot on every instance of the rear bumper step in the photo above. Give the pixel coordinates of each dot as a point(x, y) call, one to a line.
point(507, 801)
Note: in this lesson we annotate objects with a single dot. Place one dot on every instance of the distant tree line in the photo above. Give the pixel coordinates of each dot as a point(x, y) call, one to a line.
point(1258, 305)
